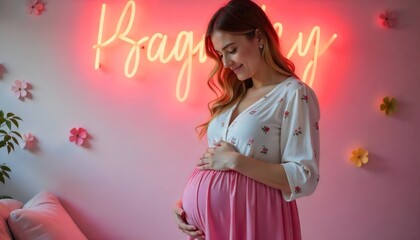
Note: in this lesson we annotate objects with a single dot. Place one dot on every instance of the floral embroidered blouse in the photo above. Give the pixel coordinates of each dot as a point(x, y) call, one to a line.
point(281, 127)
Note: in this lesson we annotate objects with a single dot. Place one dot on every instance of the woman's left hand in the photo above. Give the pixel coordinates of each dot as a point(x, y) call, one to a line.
point(221, 157)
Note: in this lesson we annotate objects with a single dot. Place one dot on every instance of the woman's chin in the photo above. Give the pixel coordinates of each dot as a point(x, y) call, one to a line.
point(242, 77)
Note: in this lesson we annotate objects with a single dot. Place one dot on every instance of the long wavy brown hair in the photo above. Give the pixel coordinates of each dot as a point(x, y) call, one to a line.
point(241, 17)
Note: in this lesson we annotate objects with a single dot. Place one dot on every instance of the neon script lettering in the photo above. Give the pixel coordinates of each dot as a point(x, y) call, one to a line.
point(184, 49)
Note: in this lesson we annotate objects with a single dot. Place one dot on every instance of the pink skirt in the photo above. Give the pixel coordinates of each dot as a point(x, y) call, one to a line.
point(230, 206)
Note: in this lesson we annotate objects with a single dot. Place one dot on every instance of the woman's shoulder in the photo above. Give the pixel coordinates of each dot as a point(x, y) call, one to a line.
point(292, 87)
point(294, 84)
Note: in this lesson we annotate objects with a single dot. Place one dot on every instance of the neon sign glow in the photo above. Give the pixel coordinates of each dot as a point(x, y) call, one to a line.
point(184, 49)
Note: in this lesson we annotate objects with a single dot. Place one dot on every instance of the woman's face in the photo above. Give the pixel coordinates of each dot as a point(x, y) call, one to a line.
point(238, 53)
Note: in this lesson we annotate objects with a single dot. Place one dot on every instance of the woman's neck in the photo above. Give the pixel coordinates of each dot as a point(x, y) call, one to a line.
point(266, 77)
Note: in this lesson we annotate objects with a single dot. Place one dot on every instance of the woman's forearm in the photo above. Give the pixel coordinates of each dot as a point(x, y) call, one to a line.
point(271, 174)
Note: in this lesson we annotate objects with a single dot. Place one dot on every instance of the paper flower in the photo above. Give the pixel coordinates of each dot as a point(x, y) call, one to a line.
point(19, 88)
point(36, 7)
point(28, 140)
point(78, 135)
point(389, 105)
point(388, 19)
point(359, 157)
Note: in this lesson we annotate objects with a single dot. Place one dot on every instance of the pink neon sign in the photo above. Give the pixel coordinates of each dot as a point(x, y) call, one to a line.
point(184, 49)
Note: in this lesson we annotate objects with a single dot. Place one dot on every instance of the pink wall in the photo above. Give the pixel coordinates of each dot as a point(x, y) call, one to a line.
point(143, 145)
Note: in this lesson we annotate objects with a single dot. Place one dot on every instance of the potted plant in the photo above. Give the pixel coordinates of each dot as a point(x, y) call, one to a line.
point(9, 124)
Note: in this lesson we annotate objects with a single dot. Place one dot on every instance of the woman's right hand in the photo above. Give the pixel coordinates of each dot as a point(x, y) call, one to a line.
point(180, 219)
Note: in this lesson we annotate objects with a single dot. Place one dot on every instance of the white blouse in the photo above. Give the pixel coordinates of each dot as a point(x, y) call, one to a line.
point(281, 127)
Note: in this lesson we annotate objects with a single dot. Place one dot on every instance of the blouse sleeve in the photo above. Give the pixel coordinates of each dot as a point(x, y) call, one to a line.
point(299, 142)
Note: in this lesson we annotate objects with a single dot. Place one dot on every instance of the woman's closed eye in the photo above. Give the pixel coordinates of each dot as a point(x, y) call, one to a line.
point(232, 51)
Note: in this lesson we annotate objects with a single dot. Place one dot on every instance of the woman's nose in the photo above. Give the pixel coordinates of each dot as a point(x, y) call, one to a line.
point(226, 61)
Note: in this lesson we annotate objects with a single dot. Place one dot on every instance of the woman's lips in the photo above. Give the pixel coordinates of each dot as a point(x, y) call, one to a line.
point(236, 69)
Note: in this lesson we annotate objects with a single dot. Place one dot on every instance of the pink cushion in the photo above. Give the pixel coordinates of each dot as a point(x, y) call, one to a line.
point(44, 218)
point(6, 206)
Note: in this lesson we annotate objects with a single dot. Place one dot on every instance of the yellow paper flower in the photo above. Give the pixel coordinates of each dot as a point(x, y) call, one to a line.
point(388, 105)
point(359, 157)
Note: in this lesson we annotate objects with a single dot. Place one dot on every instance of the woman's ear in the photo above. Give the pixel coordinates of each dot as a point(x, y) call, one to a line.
point(259, 35)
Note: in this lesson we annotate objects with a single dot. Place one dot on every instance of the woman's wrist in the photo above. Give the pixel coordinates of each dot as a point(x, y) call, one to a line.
point(236, 160)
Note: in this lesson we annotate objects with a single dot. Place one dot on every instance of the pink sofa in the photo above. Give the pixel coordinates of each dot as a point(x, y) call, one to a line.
point(41, 218)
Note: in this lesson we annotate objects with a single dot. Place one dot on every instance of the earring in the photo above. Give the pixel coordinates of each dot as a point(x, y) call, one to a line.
point(261, 47)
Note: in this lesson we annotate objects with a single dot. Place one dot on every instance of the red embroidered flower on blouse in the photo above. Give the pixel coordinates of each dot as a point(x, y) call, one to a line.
point(264, 150)
point(36, 7)
point(298, 131)
point(305, 98)
point(265, 129)
point(250, 142)
point(298, 189)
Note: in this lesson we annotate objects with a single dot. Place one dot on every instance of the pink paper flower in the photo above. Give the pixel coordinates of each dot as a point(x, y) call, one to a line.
point(36, 7)
point(19, 88)
point(388, 19)
point(28, 140)
point(78, 135)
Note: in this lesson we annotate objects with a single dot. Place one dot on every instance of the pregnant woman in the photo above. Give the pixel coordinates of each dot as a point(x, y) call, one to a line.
point(263, 136)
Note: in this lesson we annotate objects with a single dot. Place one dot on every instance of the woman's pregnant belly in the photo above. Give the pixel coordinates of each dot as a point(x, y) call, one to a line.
point(229, 205)
point(213, 198)
point(207, 195)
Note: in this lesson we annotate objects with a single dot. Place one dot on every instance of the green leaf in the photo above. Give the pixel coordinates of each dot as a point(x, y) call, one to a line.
point(17, 134)
point(15, 140)
point(6, 174)
point(3, 132)
point(17, 118)
point(2, 144)
point(7, 138)
point(5, 168)
point(1, 177)
point(9, 124)
point(1, 114)
point(2, 119)
point(10, 114)
point(10, 147)
point(9, 144)
point(14, 121)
